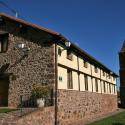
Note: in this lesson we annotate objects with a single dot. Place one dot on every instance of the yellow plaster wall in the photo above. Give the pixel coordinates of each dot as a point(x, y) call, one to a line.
point(82, 84)
point(73, 64)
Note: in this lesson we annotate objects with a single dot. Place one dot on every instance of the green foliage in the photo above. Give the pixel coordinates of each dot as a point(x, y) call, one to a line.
point(6, 110)
point(40, 91)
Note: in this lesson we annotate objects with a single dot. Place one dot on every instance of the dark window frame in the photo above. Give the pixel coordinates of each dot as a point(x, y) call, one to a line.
point(96, 85)
point(103, 73)
point(69, 79)
point(85, 63)
point(86, 82)
point(110, 91)
point(69, 54)
point(96, 69)
point(114, 89)
point(104, 87)
point(4, 41)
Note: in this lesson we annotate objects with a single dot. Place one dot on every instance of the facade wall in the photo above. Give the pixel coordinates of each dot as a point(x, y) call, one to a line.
point(76, 65)
point(75, 81)
point(82, 85)
point(76, 107)
point(63, 59)
point(36, 68)
point(82, 68)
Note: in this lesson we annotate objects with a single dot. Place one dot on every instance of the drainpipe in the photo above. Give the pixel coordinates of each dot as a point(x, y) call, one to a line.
point(56, 82)
point(91, 76)
point(100, 80)
point(78, 72)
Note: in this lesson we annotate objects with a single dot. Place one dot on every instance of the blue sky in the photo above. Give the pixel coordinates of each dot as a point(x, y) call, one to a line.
point(97, 26)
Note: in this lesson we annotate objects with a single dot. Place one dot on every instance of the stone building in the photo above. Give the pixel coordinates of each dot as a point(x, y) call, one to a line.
point(83, 87)
point(122, 74)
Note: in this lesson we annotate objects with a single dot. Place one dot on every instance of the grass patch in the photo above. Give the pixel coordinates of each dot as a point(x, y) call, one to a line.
point(118, 119)
point(6, 110)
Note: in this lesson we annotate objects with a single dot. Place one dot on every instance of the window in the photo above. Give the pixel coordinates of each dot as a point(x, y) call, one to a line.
point(3, 43)
point(85, 63)
point(96, 69)
point(86, 82)
point(114, 78)
point(60, 78)
point(109, 87)
point(109, 76)
point(69, 55)
point(114, 89)
point(103, 73)
point(69, 79)
point(96, 85)
point(104, 87)
point(59, 51)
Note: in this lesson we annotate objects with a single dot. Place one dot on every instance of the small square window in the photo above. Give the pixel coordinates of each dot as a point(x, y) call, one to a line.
point(59, 51)
point(60, 78)
point(109, 76)
point(96, 69)
point(85, 64)
point(103, 73)
point(69, 55)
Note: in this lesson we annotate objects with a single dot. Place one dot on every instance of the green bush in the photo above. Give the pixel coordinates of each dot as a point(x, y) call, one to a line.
point(40, 91)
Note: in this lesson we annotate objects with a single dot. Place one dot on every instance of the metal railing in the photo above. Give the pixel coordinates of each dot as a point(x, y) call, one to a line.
point(28, 104)
point(27, 101)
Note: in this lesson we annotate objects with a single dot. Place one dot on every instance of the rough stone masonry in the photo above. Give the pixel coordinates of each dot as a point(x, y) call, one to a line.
point(73, 107)
point(36, 68)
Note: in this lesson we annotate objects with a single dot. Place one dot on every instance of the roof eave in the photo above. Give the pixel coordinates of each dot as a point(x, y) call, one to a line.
point(29, 24)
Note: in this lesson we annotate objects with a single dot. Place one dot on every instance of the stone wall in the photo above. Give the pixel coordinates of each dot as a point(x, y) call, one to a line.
point(37, 68)
point(76, 107)
point(41, 117)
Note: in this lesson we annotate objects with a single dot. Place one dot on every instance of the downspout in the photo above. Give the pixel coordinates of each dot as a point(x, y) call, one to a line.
point(91, 76)
point(78, 72)
point(56, 82)
point(101, 81)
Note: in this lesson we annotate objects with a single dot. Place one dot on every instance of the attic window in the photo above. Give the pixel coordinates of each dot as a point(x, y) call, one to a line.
point(85, 63)
point(96, 69)
point(69, 55)
point(3, 42)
